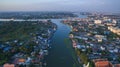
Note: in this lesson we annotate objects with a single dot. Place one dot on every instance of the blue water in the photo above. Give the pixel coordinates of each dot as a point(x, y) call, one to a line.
point(59, 55)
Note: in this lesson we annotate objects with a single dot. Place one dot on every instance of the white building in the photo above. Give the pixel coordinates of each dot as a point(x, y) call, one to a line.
point(97, 21)
point(114, 30)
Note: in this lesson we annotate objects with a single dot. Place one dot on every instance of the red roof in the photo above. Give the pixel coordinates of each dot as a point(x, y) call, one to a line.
point(9, 65)
point(21, 60)
point(103, 64)
point(117, 65)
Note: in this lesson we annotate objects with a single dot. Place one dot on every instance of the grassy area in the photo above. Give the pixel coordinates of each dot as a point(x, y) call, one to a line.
point(20, 30)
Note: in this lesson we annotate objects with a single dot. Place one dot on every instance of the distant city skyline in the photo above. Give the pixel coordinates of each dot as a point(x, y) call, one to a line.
point(61, 5)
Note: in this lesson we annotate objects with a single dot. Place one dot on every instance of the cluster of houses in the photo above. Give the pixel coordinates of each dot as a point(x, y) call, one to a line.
point(96, 36)
point(36, 56)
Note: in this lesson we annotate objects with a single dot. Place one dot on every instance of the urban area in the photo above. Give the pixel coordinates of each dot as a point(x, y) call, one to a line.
point(26, 38)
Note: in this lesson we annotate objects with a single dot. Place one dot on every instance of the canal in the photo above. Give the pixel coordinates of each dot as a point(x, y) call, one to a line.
point(61, 54)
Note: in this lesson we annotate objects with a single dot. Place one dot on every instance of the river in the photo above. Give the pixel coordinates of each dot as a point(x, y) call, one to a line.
point(61, 54)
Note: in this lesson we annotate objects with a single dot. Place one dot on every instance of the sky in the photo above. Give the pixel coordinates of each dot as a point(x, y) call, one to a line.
point(61, 5)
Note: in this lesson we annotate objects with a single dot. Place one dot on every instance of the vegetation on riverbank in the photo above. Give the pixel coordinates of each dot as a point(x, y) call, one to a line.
point(73, 53)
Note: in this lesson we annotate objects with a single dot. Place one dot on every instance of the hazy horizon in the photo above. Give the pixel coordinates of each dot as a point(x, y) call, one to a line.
point(61, 5)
